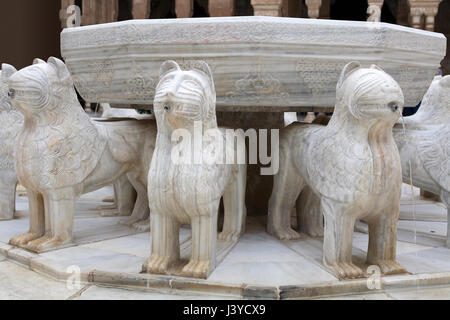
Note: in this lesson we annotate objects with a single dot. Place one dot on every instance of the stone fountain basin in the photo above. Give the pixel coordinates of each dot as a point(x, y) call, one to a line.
point(259, 63)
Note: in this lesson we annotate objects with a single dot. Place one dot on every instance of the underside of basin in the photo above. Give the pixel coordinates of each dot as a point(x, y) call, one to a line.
point(258, 63)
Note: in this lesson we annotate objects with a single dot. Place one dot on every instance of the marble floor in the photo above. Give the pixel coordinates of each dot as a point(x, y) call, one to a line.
point(257, 260)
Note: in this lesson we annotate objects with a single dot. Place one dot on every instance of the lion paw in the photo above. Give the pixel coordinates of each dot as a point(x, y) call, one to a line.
point(228, 235)
point(390, 267)
point(128, 221)
point(24, 238)
point(196, 269)
point(346, 270)
point(157, 264)
point(143, 225)
point(44, 243)
point(285, 234)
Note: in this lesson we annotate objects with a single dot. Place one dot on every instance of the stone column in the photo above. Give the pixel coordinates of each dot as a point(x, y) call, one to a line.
point(221, 8)
point(443, 26)
point(267, 7)
point(420, 9)
point(325, 10)
point(184, 8)
point(403, 13)
point(313, 8)
point(430, 13)
point(63, 15)
point(141, 9)
point(374, 10)
point(313, 13)
point(99, 11)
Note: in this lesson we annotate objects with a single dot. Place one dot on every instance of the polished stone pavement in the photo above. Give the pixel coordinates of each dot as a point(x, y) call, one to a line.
point(258, 259)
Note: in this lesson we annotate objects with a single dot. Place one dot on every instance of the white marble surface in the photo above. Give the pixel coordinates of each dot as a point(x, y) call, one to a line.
point(258, 259)
point(106, 293)
point(297, 60)
point(19, 283)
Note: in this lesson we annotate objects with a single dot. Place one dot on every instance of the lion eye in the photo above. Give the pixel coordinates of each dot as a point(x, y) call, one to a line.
point(11, 93)
point(166, 107)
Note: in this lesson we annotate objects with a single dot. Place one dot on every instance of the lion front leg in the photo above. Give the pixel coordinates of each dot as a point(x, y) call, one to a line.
point(165, 250)
point(7, 197)
point(37, 220)
point(234, 207)
point(204, 235)
point(60, 207)
point(338, 239)
point(383, 241)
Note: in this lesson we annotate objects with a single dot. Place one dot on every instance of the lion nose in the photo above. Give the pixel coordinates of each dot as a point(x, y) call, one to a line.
point(11, 93)
point(393, 106)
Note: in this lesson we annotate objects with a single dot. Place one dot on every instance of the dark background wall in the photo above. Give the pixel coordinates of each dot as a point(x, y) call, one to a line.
point(29, 29)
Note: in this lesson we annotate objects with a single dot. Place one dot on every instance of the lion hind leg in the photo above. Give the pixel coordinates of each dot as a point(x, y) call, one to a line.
point(37, 220)
point(309, 214)
point(234, 207)
point(141, 210)
point(287, 185)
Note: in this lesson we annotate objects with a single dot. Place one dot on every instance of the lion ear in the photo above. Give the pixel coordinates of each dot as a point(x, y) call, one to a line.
point(168, 66)
point(7, 71)
point(203, 67)
point(61, 70)
point(37, 60)
point(348, 70)
point(445, 81)
point(374, 66)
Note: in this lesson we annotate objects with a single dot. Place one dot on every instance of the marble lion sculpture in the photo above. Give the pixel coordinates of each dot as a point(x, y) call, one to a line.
point(352, 165)
point(11, 123)
point(124, 193)
point(424, 143)
point(189, 192)
point(61, 153)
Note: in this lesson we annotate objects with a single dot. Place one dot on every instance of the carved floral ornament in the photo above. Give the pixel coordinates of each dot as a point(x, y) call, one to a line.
point(258, 86)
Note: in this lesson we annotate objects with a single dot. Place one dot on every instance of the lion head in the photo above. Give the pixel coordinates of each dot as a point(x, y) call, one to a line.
point(185, 96)
point(41, 87)
point(11, 120)
point(435, 106)
point(368, 94)
point(7, 71)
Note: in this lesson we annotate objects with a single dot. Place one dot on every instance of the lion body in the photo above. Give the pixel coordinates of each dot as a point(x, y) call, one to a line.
point(62, 154)
point(11, 124)
point(189, 192)
point(423, 140)
point(352, 166)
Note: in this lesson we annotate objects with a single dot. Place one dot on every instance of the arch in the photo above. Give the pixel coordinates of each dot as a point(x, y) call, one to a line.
point(243, 8)
point(162, 9)
point(340, 10)
point(125, 10)
point(200, 9)
point(389, 11)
